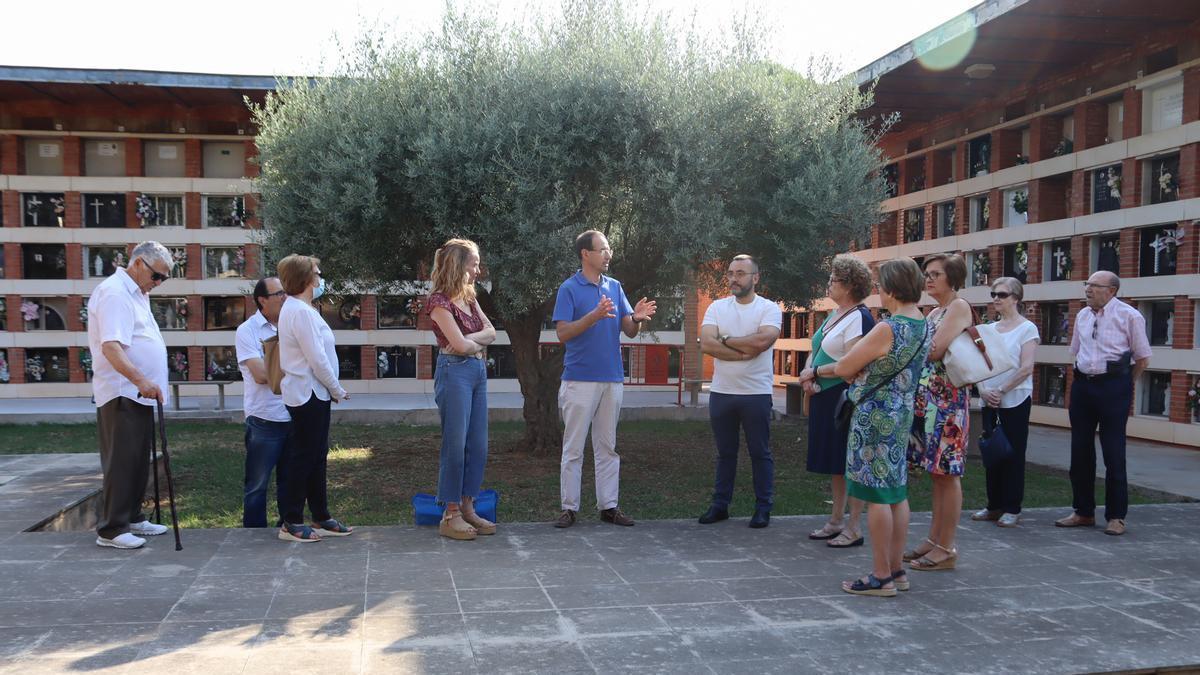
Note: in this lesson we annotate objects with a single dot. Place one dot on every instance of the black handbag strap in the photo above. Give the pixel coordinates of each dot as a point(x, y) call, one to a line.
point(896, 374)
point(854, 310)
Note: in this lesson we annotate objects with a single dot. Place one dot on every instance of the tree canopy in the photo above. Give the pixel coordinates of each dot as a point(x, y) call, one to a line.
point(682, 148)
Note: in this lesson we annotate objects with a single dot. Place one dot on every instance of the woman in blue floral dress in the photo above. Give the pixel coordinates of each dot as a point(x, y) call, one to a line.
point(883, 370)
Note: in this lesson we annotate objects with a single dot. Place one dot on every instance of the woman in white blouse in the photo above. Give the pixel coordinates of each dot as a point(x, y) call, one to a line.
point(310, 381)
point(1007, 397)
point(849, 284)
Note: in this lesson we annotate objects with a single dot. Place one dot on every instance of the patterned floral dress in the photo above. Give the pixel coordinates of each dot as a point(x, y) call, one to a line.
point(938, 443)
point(876, 470)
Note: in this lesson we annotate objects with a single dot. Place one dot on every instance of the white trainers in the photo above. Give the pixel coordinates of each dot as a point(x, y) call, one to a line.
point(147, 529)
point(125, 540)
point(1008, 520)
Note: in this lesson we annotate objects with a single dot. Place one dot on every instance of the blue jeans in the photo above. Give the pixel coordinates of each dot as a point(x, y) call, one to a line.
point(266, 449)
point(752, 413)
point(460, 390)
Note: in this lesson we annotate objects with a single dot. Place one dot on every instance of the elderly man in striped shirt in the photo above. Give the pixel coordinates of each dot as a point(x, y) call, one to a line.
point(1111, 351)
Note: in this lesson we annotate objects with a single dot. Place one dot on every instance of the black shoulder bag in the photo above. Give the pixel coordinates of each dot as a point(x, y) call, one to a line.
point(844, 411)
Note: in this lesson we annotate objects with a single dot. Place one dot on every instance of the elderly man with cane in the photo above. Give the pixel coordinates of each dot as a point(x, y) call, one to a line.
point(129, 378)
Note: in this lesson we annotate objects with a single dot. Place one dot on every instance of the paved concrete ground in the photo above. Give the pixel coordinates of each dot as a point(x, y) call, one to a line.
point(666, 596)
point(34, 488)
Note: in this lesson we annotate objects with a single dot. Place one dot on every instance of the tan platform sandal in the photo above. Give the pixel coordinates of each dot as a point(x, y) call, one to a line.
point(482, 525)
point(912, 553)
point(454, 527)
point(924, 564)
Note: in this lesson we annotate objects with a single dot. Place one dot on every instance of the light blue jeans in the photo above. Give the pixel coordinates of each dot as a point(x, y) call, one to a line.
point(460, 389)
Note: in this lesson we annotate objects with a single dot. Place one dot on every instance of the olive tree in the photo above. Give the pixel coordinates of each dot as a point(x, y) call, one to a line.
point(681, 148)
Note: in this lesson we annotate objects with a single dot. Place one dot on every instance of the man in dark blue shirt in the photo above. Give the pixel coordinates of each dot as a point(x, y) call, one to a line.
point(590, 314)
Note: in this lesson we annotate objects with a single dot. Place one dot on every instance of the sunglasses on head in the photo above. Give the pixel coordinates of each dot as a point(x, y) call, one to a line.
point(1001, 295)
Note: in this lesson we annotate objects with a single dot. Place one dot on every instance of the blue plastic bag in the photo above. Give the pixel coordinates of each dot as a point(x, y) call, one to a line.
point(426, 510)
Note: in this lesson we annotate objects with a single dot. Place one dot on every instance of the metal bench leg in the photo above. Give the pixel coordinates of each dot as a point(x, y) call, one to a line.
point(221, 397)
point(176, 388)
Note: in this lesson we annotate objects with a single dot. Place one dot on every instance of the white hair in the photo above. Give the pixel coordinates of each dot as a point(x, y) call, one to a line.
point(152, 251)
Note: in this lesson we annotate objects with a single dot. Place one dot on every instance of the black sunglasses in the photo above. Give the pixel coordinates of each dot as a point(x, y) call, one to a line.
point(155, 275)
point(1000, 295)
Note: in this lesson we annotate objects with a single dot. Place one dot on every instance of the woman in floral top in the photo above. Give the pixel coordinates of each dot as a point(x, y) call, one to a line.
point(939, 437)
point(883, 368)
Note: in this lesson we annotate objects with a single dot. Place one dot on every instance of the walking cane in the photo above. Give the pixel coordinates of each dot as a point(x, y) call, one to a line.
point(162, 433)
point(154, 469)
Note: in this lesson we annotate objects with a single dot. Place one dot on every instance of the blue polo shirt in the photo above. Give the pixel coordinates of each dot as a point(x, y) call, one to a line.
point(595, 354)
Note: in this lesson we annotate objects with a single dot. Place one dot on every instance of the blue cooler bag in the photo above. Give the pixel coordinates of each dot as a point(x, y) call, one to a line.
point(426, 510)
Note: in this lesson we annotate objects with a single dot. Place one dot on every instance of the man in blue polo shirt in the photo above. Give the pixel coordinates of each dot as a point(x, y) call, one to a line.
point(590, 314)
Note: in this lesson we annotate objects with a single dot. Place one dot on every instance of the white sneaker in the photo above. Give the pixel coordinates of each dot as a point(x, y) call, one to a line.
point(147, 529)
point(1008, 520)
point(125, 540)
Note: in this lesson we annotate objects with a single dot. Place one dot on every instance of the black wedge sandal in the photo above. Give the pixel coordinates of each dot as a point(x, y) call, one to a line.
point(872, 586)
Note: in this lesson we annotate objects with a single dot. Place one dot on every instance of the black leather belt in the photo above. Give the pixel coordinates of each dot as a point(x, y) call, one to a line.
point(476, 355)
point(1102, 377)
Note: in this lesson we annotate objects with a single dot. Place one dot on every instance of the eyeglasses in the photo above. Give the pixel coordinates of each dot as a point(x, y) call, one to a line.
point(277, 294)
point(1088, 284)
point(600, 250)
point(738, 275)
point(1000, 295)
point(155, 275)
point(934, 274)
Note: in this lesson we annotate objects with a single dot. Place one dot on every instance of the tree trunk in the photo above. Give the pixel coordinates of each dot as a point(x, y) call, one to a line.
point(539, 374)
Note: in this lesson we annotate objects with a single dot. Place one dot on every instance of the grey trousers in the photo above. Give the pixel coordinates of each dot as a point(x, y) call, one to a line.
point(126, 431)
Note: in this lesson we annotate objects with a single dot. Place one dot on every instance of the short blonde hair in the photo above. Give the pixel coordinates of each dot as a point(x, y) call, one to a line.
point(449, 275)
point(296, 272)
point(852, 273)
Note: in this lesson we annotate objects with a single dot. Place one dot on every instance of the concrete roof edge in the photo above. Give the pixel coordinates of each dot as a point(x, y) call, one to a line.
point(141, 77)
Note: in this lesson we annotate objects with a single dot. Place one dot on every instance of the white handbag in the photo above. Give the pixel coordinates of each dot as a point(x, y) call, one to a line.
point(975, 355)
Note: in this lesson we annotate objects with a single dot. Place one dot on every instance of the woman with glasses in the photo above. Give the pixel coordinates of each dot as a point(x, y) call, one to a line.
point(1007, 396)
point(309, 363)
point(849, 285)
point(938, 443)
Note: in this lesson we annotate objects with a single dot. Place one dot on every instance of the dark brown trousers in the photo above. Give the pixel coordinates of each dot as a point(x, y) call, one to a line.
point(126, 431)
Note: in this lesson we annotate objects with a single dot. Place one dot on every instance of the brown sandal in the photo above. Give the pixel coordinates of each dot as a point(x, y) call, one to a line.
point(925, 564)
point(481, 525)
point(454, 527)
point(912, 554)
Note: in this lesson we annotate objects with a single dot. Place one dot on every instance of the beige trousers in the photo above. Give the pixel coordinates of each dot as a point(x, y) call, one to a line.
point(596, 405)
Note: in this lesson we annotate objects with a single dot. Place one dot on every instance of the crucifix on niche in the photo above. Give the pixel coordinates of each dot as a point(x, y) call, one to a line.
point(104, 210)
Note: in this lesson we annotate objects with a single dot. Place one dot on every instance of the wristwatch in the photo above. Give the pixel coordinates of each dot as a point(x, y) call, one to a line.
point(725, 340)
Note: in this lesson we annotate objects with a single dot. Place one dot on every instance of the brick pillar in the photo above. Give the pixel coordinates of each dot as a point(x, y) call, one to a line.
point(74, 368)
point(995, 263)
point(193, 158)
point(1080, 198)
point(693, 360)
point(192, 217)
point(72, 156)
point(962, 219)
point(930, 221)
point(901, 179)
point(1131, 183)
point(1189, 171)
point(131, 217)
point(10, 208)
point(12, 263)
point(16, 362)
point(1133, 113)
point(75, 261)
point(253, 222)
point(1080, 245)
point(253, 253)
point(425, 356)
point(962, 159)
point(195, 265)
point(1033, 272)
point(369, 369)
point(74, 205)
point(10, 153)
point(1187, 257)
point(195, 317)
point(1130, 241)
point(1184, 322)
point(195, 363)
point(368, 312)
point(13, 320)
point(940, 168)
point(1045, 132)
point(1191, 95)
point(1091, 123)
point(1006, 145)
point(74, 304)
point(251, 170)
point(1180, 383)
point(1047, 200)
point(135, 158)
point(996, 207)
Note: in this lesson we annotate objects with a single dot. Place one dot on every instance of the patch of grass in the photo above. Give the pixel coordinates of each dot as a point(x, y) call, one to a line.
point(666, 472)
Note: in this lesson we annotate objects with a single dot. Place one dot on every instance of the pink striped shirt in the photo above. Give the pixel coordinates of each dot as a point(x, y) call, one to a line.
point(1118, 327)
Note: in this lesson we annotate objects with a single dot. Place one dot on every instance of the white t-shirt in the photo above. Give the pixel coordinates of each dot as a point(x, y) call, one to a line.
point(257, 399)
point(848, 328)
point(306, 354)
point(1013, 340)
point(119, 311)
point(739, 320)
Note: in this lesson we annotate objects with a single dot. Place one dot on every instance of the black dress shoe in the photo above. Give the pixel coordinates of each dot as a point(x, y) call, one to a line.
point(762, 518)
point(713, 514)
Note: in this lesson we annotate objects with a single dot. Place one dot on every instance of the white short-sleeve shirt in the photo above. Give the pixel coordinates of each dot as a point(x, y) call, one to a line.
point(1013, 341)
point(834, 341)
point(257, 399)
point(306, 354)
point(733, 318)
point(118, 311)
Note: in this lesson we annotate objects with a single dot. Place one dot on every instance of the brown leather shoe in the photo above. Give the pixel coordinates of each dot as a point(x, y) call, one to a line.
point(565, 519)
point(1116, 527)
point(615, 517)
point(1075, 520)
